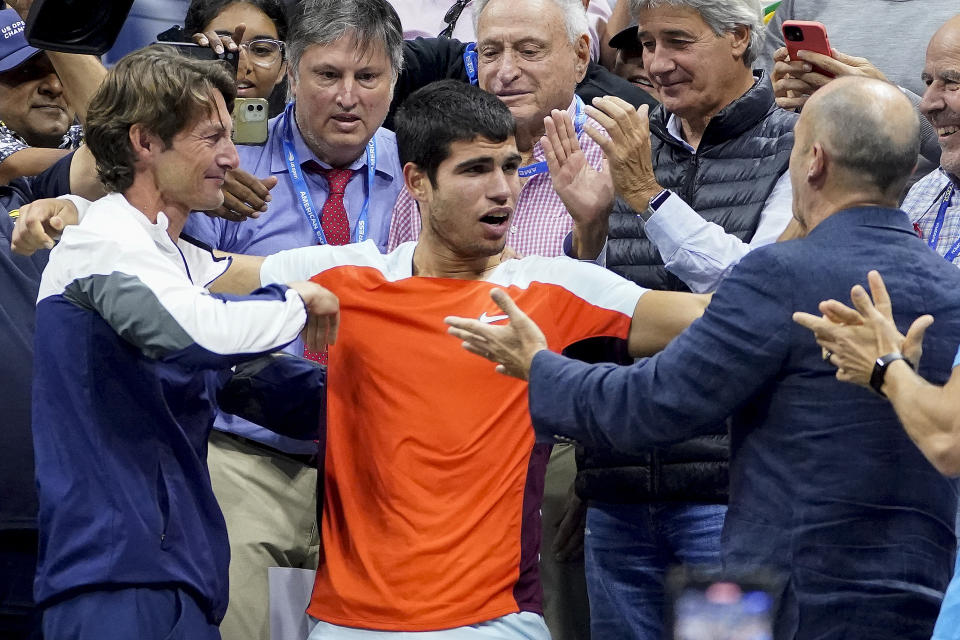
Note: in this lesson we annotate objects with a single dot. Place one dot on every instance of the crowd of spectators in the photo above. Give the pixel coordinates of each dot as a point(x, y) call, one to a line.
point(520, 305)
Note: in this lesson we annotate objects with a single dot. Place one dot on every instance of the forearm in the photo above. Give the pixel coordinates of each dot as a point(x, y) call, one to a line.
point(29, 161)
point(928, 413)
point(241, 278)
point(660, 316)
point(81, 77)
point(589, 239)
point(84, 180)
point(607, 406)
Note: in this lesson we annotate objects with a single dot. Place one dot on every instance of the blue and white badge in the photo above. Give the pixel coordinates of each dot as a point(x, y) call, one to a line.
point(303, 192)
point(579, 122)
point(470, 62)
point(945, 202)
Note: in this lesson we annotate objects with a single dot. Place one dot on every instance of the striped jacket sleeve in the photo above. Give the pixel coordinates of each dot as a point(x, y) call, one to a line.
point(147, 299)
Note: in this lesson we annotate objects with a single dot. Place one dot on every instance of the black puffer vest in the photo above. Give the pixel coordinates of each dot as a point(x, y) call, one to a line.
point(743, 152)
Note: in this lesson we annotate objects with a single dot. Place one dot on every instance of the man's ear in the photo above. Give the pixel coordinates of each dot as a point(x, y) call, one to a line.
point(417, 182)
point(144, 142)
point(817, 167)
point(740, 40)
point(582, 48)
point(282, 74)
point(291, 81)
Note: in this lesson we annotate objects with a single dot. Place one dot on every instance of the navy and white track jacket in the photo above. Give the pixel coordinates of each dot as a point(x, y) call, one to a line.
point(130, 350)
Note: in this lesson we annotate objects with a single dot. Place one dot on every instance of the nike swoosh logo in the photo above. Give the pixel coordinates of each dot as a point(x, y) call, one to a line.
point(488, 319)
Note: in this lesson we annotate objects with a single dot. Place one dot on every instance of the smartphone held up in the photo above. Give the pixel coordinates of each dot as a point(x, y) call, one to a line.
point(803, 35)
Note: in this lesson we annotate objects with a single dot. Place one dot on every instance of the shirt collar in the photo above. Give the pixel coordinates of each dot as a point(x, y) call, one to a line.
point(201, 266)
point(278, 163)
point(673, 122)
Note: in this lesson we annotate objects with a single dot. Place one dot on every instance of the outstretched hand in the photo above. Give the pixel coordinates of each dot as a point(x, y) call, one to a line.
point(511, 345)
point(853, 339)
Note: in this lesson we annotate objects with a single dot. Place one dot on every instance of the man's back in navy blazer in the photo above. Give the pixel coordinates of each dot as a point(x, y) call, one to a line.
point(825, 486)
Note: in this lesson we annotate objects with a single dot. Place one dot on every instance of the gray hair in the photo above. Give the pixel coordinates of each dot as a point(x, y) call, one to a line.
point(574, 17)
point(321, 22)
point(722, 16)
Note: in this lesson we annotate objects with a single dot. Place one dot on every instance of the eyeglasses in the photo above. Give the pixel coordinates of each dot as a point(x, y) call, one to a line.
point(451, 17)
point(263, 52)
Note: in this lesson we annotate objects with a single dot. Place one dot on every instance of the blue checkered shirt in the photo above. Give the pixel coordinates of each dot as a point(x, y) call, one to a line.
point(922, 204)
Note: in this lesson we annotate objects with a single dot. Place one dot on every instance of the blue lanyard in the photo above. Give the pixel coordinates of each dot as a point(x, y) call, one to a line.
point(470, 62)
point(579, 122)
point(934, 240)
point(579, 117)
point(303, 193)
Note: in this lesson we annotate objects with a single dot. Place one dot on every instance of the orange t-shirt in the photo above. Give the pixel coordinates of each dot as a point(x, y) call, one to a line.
point(432, 480)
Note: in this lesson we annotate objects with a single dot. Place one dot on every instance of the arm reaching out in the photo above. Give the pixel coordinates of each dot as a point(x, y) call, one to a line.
point(660, 317)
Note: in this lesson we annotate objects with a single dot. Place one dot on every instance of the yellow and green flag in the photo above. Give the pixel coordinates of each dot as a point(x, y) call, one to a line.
point(769, 10)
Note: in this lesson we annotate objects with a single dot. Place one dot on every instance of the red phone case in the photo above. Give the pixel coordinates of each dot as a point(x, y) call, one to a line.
point(814, 39)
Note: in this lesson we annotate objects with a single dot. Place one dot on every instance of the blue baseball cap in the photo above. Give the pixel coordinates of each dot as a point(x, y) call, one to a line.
point(14, 49)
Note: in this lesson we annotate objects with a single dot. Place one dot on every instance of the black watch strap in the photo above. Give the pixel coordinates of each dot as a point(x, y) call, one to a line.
point(880, 370)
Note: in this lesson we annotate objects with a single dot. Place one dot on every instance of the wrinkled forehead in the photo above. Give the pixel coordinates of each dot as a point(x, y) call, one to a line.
point(518, 20)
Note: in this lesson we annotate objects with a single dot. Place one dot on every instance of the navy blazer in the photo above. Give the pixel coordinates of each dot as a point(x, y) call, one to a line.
point(825, 485)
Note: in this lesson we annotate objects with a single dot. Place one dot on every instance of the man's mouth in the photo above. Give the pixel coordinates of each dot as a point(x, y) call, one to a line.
point(497, 217)
point(49, 106)
point(513, 93)
point(346, 117)
point(947, 131)
point(640, 80)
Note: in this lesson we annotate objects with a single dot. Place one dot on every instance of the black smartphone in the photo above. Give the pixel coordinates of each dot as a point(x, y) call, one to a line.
point(704, 605)
point(177, 38)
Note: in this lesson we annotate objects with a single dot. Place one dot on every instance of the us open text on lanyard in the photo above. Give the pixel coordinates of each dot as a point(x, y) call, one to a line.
point(579, 115)
point(303, 193)
point(934, 240)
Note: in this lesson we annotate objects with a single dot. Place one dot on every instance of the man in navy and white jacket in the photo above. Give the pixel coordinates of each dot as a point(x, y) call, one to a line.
point(131, 349)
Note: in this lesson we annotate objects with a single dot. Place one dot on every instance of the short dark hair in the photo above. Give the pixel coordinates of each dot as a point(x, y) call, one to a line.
point(155, 87)
point(442, 113)
point(322, 22)
point(200, 13)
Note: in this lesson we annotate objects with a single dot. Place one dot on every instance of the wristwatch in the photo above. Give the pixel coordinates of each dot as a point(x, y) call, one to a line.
point(880, 370)
point(655, 203)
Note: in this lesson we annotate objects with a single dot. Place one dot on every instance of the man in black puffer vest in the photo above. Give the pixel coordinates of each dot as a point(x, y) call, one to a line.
point(708, 182)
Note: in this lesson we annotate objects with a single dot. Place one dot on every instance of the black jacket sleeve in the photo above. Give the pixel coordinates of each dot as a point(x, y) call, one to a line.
point(599, 82)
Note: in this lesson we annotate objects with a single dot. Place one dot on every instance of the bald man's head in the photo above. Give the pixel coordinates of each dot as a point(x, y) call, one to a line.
point(941, 100)
point(868, 129)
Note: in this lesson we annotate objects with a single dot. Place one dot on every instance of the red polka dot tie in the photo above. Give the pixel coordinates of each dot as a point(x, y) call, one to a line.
point(336, 225)
point(333, 218)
